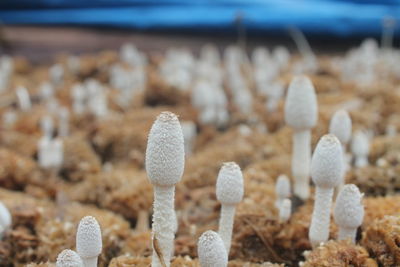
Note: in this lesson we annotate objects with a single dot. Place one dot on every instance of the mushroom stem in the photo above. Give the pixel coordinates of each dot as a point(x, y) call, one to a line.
point(90, 262)
point(345, 232)
point(319, 229)
point(226, 224)
point(301, 163)
point(163, 225)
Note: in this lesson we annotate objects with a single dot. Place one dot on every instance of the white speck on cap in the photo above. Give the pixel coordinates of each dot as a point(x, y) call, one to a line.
point(88, 238)
point(211, 250)
point(349, 211)
point(327, 162)
point(340, 126)
point(68, 258)
point(301, 110)
point(5, 216)
point(165, 153)
point(230, 184)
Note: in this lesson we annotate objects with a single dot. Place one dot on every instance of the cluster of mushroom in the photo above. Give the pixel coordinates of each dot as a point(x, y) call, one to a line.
point(327, 167)
point(164, 165)
point(88, 245)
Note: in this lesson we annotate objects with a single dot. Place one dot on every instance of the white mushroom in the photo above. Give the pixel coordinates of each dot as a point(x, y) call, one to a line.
point(229, 192)
point(301, 114)
point(326, 171)
point(165, 159)
point(282, 189)
point(340, 126)
point(285, 210)
point(69, 258)
point(349, 212)
point(360, 149)
point(211, 250)
point(88, 241)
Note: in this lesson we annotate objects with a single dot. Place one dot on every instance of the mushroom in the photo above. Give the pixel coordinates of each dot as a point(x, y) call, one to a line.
point(211, 250)
point(340, 126)
point(88, 241)
point(165, 160)
point(229, 193)
point(349, 212)
point(301, 114)
point(69, 258)
point(326, 171)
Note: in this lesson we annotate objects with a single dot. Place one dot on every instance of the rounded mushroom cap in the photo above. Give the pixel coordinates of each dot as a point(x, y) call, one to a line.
point(327, 162)
point(211, 250)
point(69, 258)
point(301, 111)
point(5, 216)
point(165, 153)
point(282, 187)
point(230, 184)
point(360, 144)
point(349, 210)
point(88, 238)
point(340, 126)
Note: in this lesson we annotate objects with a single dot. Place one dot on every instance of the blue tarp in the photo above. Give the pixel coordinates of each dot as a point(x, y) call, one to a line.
point(334, 17)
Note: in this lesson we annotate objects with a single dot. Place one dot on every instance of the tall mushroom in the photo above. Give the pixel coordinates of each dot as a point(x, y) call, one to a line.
point(229, 193)
point(301, 113)
point(340, 126)
point(165, 160)
point(326, 171)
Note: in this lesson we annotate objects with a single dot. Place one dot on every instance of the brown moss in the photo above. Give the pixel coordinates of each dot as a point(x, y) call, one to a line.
point(125, 191)
point(382, 240)
point(79, 160)
point(338, 254)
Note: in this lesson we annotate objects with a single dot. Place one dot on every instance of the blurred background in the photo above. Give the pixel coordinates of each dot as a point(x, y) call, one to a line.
point(40, 28)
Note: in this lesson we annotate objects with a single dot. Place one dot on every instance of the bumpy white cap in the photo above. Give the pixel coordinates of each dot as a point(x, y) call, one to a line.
point(165, 153)
point(5, 216)
point(327, 162)
point(340, 126)
point(282, 187)
point(360, 144)
point(211, 250)
point(301, 110)
point(349, 210)
point(88, 238)
point(230, 184)
point(69, 258)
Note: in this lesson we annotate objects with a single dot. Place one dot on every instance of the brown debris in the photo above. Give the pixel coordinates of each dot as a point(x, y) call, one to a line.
point(338, 254)
point(79, 160)
point(382, 240)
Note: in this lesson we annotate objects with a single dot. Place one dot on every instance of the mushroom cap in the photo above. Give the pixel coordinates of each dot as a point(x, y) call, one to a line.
point(349, 210)
point(165, 153)
point(88, 238)
point(230, 184)
point(360, 144)
point(327, 162)
point(211, 250)
point(301, 110)
point(69, 258)
point(5, 216)
point(282, 187)
point(340, 126)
